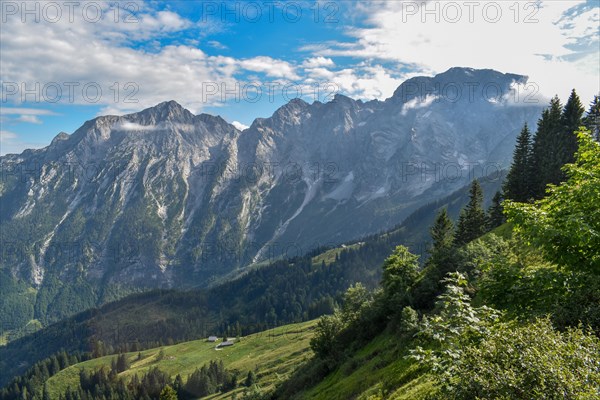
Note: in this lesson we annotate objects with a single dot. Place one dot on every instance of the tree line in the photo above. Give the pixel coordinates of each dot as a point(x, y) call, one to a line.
point(539, 157)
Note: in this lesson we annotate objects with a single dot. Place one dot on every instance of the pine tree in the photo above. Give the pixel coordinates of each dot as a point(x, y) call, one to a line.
point(443, 259)
point(571, 120)
point(472, 222)
point(518, 184)
point(54, 366)
point(122, 363)
point(495, 214)
point(592, 118)
point(168, 393)
point(546, 163)
point(442, 233)
point(250, 379)
point(45, 393)
point(178, 384)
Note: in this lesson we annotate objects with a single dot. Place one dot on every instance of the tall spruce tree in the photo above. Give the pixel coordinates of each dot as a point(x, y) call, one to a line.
point(592, 118)
point(442, 233)
point(443, 259)
point(571, 120)
point(546, 164)
point(472, 221)
point(518, 184)
point(495, 214)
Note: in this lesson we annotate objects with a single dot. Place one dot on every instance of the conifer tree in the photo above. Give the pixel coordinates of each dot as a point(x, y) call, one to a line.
point(495, 214)
point(54, 365)
point(592, 118)
point(45, 393)
point(546, 144)
point(472, 222)
point(571, 120)
point(400, 271)
point(518, 184)
point(178, 384)
point(122, 363)
point(250, 379)
point(443, 259)
point(442, 233)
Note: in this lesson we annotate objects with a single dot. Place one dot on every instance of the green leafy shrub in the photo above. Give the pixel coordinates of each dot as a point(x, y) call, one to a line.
point(400, 272)
point(409, 320)
point(324, 342)
point(356, 299)
point(530, 362)
point(454, 324)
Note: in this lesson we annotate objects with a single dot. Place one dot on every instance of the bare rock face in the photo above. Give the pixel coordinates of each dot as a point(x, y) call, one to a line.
point(165, 198)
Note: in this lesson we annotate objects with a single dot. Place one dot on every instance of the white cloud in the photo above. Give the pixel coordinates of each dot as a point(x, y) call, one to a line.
point(30, 119)
point(25, 115)
point(170, 21)
point(132, 126)
point(135, 20)
point(78, 53)
point(362, 81)
point(10, 143)
point(239, 125)
point(216, 44)
point(558, 52)
point(6, 136)
point(523, 93)
point(25, 111)
point(271, 67)
point(100, 54)
point(316, 62)
point(418, 102)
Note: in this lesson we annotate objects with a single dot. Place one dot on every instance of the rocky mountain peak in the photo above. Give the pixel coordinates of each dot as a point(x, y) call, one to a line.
point(291, 113)
point(162, 112)
point(293, 106)
point(457, 82)
point(60, 137)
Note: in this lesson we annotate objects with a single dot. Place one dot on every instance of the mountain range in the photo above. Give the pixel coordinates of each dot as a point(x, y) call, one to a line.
point(164, 198)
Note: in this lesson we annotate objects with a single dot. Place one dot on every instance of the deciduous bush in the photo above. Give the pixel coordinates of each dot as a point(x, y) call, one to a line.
point(532, 361)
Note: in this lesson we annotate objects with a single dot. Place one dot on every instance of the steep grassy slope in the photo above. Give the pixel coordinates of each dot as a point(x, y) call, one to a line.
point(272, 354)
point(376, 371)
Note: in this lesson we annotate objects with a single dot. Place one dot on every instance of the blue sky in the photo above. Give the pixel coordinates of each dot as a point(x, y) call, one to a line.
point(214, 56)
